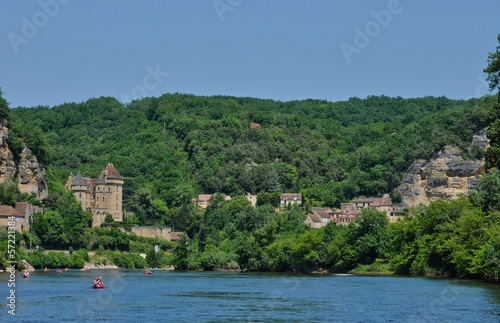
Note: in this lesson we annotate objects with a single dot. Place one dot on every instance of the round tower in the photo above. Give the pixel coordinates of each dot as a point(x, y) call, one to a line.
point(79, 188)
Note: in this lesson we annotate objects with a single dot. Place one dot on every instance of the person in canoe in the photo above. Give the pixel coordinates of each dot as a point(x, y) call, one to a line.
point(98, 283)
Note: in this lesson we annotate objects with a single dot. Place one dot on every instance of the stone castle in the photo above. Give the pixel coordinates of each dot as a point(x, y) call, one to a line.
point(100, 196)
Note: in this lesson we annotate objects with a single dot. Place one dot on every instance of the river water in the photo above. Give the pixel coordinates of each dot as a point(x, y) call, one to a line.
point(175, 296)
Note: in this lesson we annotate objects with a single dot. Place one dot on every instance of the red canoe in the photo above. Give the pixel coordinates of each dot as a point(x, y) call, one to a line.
point(97, 286)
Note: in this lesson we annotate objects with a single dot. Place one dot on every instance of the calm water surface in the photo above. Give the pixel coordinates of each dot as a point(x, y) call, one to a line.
point(131, 296)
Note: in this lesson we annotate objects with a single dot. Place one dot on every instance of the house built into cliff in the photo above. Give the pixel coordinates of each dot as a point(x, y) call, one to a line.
point(100, 196)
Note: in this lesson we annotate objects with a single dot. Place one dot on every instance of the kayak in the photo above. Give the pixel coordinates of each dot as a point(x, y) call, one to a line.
point(46, 269)
point(85, 269)
point(67, 269)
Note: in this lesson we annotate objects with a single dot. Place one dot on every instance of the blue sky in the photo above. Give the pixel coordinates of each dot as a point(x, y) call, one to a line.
point(56, 51)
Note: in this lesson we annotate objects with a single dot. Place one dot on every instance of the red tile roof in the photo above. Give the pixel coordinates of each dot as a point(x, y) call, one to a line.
point(7, 210)
point(314, 217)
point(112, 172)
point(175, 236)
point(21, 207)
point(290, 196)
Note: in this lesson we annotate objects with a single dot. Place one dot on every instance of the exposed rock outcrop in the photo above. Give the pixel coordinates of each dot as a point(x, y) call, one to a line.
point(29, 171)
point(89, 265)
point(23, 265)
point(7, 164)
point(31, 175)
point(445, 176)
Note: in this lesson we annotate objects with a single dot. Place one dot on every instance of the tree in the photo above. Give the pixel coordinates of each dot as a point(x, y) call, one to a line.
point(4, 107)
point(493, 68)
point(153, 258)
point(492, 157)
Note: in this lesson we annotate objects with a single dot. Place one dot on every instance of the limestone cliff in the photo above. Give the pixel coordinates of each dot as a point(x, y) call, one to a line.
point(7, 164)
point(31, 175)
point(444, 176)
point(29, 172)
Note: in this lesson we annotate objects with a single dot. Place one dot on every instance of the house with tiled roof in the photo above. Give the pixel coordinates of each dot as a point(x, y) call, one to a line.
point(313, 220)
point(100, 196)
point(319, 218)
point(290, 198)
point(349, 212)
point(27, 210)
point(9, 214)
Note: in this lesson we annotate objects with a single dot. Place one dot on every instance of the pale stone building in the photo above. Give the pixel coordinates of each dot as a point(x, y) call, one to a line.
point(100, 196)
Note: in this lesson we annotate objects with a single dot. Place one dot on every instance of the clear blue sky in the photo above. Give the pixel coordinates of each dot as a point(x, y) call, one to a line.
point(278, 49)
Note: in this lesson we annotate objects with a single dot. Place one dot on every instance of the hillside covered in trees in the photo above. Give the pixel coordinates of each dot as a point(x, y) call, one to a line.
point(176, 146)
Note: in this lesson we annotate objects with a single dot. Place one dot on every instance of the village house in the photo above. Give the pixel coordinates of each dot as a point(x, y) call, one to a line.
point(319, 218)
point(349, 212)
point(6, 212)
point(27, 211)
point(23, 214)
point(346, 214)
point(290, 198)
point(100, 196)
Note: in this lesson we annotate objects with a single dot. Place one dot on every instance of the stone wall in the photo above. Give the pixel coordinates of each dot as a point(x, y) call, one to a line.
point(151, 232)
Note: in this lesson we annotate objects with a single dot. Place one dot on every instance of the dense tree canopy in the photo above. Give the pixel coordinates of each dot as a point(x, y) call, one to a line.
point(176, 146)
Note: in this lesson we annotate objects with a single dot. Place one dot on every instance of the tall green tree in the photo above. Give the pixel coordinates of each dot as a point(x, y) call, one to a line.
point(492, 157)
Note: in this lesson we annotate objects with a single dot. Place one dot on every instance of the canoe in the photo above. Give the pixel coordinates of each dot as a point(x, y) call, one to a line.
point(97, 286)
point(148, 272)
point(26, 276)
point(46, 269)
point(67, 269)
point(59, 271)
point(85, 269)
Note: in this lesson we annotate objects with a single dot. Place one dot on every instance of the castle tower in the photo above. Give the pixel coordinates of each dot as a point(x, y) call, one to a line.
point(114, 185)
point(79, 188)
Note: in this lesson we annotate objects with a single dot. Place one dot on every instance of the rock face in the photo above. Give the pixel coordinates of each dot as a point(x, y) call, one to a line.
point(29, 172)
point(31, 175)
point(7, 164)
point(444, 176)
point(23, 265)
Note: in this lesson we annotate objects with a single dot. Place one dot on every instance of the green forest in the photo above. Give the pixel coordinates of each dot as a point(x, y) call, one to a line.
point(171, 148)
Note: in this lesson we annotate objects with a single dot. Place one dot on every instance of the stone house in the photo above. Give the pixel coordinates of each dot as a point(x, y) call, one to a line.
point(6, 212)
point(290, 198)
point(349, 212)
point(27, 211)
point(313, 220)
point(100, 196)
point(319, 218)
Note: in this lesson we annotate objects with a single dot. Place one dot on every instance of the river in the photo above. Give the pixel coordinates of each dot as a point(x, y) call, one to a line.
point(176, 296)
